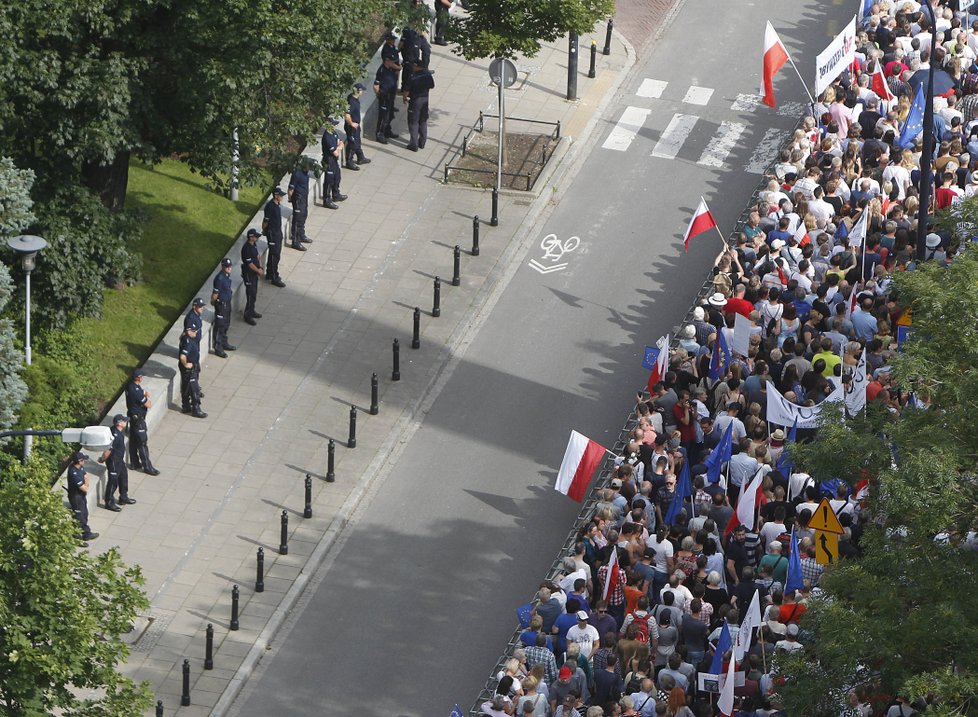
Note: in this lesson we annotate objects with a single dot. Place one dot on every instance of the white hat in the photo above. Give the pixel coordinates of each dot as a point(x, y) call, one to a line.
point(699, 313)
point(718, 299)
point(777, 244)
point(933, 241)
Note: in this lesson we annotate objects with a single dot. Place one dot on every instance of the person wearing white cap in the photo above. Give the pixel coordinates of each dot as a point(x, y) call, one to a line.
point(584, 634)
point(790, 642)
point(934, 250)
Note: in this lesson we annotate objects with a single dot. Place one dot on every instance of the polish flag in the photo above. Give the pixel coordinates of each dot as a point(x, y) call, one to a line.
point(853, 300)
point(702, 221)
point(745, 514)
point(661, 363)
point(726, 702)
point(885, 206)
point(880, 86)
point(775, 55)
point(613, 576)
point(801, 234)
point(862, 491)
point(580, 459)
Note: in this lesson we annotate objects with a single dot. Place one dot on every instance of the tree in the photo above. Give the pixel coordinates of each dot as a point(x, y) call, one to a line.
point(62, 612)
point(899, 617)
point(506, 28)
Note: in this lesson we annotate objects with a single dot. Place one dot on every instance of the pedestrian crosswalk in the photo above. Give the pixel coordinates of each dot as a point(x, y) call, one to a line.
point(687, 130)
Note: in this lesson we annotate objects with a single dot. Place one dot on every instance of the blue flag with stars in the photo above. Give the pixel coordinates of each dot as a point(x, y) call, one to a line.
point(915, 119)
point(650, 357)
point(719, 455)
point(684, 489)
point(722, 356)
point(456, 712)
point(724, 643)
point(794, 579)
point(523, 612)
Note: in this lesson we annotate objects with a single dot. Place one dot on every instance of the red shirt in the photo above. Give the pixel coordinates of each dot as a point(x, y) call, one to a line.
point(740, 306)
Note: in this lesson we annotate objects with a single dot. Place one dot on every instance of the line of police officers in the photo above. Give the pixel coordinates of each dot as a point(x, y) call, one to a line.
point(416, 82)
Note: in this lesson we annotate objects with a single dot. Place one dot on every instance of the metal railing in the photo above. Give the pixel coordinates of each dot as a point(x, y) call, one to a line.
point(530, 177)
point(603, 481)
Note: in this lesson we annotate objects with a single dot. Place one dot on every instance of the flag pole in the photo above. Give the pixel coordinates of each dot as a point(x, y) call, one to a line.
point(804, 84)
point(726, 244)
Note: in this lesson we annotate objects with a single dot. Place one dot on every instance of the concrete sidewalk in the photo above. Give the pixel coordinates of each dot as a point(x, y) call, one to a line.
point(288, 388)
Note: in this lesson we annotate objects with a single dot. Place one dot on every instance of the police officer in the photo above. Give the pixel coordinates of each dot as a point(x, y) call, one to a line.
point(189, 385)
point(114, 458)
point(385, 87)
point(272, 229)
point(137, 404)
point(354, 134)
point(409, 52)
point(422, 48)
point(194, 319)
point(299, 198)
point(221, 296)
point(441, 20)
point(251, 270)
point(419, 86)
point(332, 151)
point(77, 490)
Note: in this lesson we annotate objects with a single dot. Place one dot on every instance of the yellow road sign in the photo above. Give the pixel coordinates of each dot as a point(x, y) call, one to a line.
point(825, 519)
point(826, 548)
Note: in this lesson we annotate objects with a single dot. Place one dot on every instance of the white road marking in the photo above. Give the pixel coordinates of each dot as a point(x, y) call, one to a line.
point(722, 144)
point(537, 266)
point(674, 135)
point(628, 126)
point(698, 95)
point(651, 88)
point(745, 103)
point(766, 150)
point(794, 109)
point(749, 103)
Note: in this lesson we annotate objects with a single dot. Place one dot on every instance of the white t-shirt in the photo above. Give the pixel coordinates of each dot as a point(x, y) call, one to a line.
point(583, 636)
point(663, 551)
point(788, 646)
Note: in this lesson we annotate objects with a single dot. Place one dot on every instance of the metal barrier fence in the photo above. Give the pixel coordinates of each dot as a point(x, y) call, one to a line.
point(587, 509)
point(479, 126)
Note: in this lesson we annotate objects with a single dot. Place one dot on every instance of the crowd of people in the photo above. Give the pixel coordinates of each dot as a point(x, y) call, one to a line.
point(809, 275)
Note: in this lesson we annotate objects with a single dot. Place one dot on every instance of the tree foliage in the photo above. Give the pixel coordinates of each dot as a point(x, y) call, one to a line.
point(62, 611)
point(899, 618)
point(506, 28)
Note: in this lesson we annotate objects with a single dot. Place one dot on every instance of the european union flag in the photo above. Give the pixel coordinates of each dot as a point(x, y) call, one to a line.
point(719, 455)
point(684, 489)
point(794, 579)
point(523, 612)
point(724, 643)
point(456, 712)
point(722, 356)
point(867, 6)
point(785, 464)
point(915, 119)
point(842, 231)
point(650, 357)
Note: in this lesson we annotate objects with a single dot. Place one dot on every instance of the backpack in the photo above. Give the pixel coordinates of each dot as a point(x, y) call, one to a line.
point(643, 626)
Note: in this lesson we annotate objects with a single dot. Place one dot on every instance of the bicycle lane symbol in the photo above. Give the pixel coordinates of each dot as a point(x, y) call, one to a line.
point(553, 251)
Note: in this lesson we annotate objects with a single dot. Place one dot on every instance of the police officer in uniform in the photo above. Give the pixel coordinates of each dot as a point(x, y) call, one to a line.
point(189, 384)
point(272, 229)
point(385, 87)
point(354, 134)
point(299, 198)
point(114, 458)
point(332, 151)
point(77, 490)
point(137, 404)
point(441, 20)
point(409, 52)
point(221, 296)
point(251, 270)
point(419, 86)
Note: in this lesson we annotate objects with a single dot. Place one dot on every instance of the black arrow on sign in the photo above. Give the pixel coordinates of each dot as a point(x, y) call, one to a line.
point(825, 547)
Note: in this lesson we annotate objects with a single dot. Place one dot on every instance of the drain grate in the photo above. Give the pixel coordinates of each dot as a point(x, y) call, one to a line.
point(147, 630)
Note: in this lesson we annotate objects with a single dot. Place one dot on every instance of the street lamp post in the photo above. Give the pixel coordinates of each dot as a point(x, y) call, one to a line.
point(91, 437)
point(27, 247)
point(927, 152)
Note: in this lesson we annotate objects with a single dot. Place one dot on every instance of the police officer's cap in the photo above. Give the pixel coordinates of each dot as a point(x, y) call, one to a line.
point(278, 192)
point(225, 262)
point(79, 456)
point(390, 35)
point(138, 373)
point(119, 417)
point(253, 233)
point(198, 301)
point(358, 86)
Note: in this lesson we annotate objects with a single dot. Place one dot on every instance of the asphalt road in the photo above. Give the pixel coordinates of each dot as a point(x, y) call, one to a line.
point(415, 607)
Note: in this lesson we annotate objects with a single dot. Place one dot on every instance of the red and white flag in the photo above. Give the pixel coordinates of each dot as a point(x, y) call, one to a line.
point(801, 234)
point(880, 86)
point(775, 55)
point(613, 576)
point(661, 364)
point(580, 459)
point(745, 513)
point(726, 702)
point(851, 306)
point(702, 221)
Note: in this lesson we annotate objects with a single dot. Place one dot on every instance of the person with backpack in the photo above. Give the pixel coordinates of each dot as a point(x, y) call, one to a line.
point(647, 632)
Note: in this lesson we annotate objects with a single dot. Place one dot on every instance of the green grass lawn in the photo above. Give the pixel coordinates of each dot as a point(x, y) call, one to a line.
point(190, 228)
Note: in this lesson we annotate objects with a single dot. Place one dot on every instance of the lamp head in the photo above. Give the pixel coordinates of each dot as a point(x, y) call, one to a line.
point(27, 247)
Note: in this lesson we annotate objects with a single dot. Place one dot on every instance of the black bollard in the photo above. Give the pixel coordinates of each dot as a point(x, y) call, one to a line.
point(352, 442)
point(185, 697)
point(416, 339)
point(494, 219)
point(396, 373)
point(209, 649)
point(307, 510)
point(159, 708)
point(436, 306)
point(235, 596)
point(572, 66)
point(283, 546)
point(592, 71)
point(374, 407)
point(456, 266)
point(607, 37)
point(475, 235)
point(260, 575)
point(331, 457)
